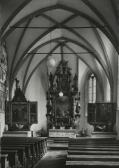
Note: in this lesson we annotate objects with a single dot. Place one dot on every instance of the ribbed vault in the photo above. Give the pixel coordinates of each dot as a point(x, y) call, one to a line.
point(36, 29)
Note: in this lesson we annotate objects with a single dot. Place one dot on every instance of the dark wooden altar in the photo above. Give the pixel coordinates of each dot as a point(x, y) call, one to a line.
point(102, 116)
point(20, 113)
point(61, 97)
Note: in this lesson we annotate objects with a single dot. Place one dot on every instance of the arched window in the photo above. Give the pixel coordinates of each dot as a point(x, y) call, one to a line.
point(92, 89)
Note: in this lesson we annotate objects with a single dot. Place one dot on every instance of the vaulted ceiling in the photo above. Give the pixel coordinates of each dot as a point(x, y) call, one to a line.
point(33, 29)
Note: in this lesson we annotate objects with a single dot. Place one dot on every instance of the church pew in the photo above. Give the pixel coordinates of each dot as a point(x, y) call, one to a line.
point(82, 152)
point(92, 160)
point(20, 150)
point(92, 153)
point(24, 150)
point(92, 164)
point(94, 148)
point(34, 148)
point(93, 157)
point(39, 142)
point(43, 145)
point(13, 158)
point(38, 145)
point(93, 141)
point(3, 160)
point(94, 145)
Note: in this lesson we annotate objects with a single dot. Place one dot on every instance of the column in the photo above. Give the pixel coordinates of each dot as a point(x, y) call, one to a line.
point(3, 68)
point(117, 110)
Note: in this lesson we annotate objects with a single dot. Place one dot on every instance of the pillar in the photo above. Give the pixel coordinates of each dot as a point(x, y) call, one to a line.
point(117, 111)
point(2, 88)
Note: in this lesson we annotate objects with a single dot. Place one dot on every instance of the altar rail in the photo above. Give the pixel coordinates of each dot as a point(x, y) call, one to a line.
point(23, 152)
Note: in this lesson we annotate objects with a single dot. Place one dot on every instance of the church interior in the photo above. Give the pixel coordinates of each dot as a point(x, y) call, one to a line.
point(59, 83)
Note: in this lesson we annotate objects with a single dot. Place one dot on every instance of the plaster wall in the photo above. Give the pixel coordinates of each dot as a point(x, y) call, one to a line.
point(36, 91)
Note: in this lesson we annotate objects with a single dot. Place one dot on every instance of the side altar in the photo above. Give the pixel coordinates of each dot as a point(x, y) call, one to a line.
point(20, 114)
point(62, 101)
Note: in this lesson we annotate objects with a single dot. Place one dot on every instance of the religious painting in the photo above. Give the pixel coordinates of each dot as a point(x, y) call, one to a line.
point(102, 116)
point(19, 112)
point(62, 107)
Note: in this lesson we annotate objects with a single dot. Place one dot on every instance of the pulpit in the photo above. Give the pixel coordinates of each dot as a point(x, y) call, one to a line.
point(61, 98)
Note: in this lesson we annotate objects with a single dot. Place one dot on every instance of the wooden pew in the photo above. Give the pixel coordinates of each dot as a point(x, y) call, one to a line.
point(20, 154)
point(93, 157)
point(4, 160)
point(93, 153)
point(23, 150)
point(13, 160)
point(74, 164)
point(39, 143)
point(29, 149)
point(20, 142)
point(81, 152)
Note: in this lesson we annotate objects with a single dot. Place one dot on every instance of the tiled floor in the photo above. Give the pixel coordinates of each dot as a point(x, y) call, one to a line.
point(53, 159)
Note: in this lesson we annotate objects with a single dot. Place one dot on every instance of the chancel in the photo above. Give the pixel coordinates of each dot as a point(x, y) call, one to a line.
point(59, 83)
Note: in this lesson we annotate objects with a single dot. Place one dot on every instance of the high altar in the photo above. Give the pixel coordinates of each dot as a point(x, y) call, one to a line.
point(62, 101)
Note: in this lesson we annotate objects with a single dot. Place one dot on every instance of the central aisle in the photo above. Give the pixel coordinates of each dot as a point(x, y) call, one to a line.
point(53, 159)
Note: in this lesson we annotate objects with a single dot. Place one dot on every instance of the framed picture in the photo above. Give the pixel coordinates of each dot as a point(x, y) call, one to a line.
point(19, 112)
point(62, 106)
point(20, 115)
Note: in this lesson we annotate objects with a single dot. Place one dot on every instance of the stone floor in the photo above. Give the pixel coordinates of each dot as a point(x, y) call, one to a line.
point(53, 159)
